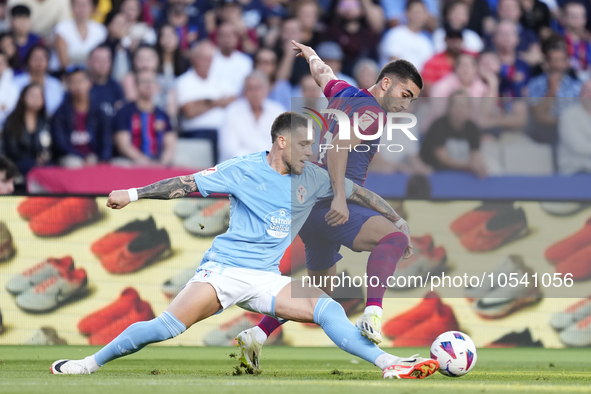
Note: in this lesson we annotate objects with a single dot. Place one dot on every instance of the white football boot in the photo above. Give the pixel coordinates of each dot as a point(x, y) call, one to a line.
point(370, 325)
point(250, 349)
point(69, 367)
point(411, 368)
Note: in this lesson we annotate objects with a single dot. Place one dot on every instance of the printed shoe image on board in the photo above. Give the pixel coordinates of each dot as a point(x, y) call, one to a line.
point(6, 245)
point(504, 227)
point(145, 249)
point(209, 221)
point(122, 236)
point(54, 292)
point(64, 216)
point(38, 273)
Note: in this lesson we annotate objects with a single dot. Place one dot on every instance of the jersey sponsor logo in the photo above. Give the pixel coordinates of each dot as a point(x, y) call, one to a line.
point(209, 171)
point(278, 223)
point(301, 194)
point(262, 187)
point(80, 137)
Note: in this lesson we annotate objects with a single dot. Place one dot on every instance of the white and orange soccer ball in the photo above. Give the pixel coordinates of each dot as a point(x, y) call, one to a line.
point(455, 352)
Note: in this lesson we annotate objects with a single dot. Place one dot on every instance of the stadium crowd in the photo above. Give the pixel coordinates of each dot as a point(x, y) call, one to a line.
point(132, 82)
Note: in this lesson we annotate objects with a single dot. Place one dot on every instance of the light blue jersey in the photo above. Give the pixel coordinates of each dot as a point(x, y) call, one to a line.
point(267, 209)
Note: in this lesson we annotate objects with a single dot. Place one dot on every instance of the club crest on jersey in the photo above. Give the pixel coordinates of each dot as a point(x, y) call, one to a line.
point(278, 223)
point(209, 171)
point(301, 194)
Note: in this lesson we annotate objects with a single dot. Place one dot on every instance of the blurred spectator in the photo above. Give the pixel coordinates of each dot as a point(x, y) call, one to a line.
point(231, 13)
point(408, 41)
point(202, 95)
point(228, 60)
point(186, 29)
point(453, 141)
point(496, 116)
point(395, 14)
point(105, 90)
point(76, 37)
point(80, 130)
point(27, 140)
point(307, 12)
point(355, 25)
point(138, 32)
point(574, 129)
point(442, 64)
point(249, 119)
point(115, 23)
point(332, 54)
point(171, 64)
point(529, 43)
point(514, 71)
point(143, 134)
point(20, 25)
point(4, 26)
point(535, 15)
point(265, 61)
point(551, 92)
point(9, 92)
point(465, 76)
point(366, 73)
point(8, 172)
point(45, 15)
point(291, 30)
point(457, 14)
point(577, 37)
point(37, 62)
point(8, 47)
point(145, 58)
point(481, 20)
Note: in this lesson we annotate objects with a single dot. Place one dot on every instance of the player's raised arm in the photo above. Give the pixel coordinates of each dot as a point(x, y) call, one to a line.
point(165, 189)
point(321, 73)
point(367, 198)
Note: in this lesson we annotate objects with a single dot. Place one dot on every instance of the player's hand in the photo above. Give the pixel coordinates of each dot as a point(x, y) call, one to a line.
point(339, 212)
point(118, 199)
point(303, 50)
point(409, 249)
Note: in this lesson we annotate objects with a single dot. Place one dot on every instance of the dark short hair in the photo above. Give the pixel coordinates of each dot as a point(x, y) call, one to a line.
point(20, 10)
point(410, 3)
point(554, 43)
point(287, 121)
point(402, 71)
point(8, 166)
point(74, 69)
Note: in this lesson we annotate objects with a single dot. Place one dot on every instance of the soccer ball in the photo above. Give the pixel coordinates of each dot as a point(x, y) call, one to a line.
point(455, 352)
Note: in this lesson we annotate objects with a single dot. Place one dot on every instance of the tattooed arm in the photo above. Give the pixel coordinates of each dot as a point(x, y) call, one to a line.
point(369, 199)
point(162, 190)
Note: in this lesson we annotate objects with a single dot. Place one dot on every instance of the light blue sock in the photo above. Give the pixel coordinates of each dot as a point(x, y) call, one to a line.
point(138, 335)
point(331, 316)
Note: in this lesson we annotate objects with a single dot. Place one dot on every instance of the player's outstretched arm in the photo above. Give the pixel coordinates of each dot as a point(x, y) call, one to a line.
point(321, 73)
point(367, 198)
point(165, 189)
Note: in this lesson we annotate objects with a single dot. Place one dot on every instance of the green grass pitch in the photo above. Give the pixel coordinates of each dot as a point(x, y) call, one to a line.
point(175, 370)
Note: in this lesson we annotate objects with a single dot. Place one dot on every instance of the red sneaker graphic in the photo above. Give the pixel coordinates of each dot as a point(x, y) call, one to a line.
point(140, 311)
point(569, 245)
point(425, 333)
point(422, 244)
point(63, 216)
point(143, 250)
point(33, 206)
point(122, 236)
point(502, 228)
point(476, 217)
point(577, 264)
point(101, 318)
point(398, 325)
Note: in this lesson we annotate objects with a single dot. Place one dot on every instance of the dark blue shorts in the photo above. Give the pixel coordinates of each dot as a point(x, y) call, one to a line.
point(323, 241)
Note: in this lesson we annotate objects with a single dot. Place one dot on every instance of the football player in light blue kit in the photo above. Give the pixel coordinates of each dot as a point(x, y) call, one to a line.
point(242, 266)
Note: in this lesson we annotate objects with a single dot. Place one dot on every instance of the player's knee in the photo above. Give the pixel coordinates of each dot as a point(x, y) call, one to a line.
point(397, 238)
